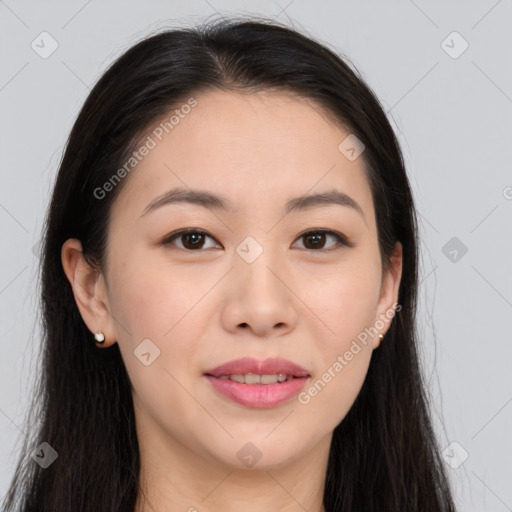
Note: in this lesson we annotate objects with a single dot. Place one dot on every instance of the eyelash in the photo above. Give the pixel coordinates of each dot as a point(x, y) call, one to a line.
point(342, 241)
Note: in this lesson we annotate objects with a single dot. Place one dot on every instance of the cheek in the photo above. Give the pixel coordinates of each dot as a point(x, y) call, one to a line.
point(156, 304)
point(345, 303)
point(151, 299)
point(353, 305)
point(347, 307)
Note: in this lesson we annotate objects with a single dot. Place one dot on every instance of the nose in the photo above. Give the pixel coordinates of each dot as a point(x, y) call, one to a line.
point(259, 298)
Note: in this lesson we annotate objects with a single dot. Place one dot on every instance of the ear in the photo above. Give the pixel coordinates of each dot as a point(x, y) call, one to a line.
point(388, 299)
point(89, 290)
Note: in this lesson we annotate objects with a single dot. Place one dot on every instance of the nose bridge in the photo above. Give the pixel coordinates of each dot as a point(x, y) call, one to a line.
point(258, 295)
point(258, 263)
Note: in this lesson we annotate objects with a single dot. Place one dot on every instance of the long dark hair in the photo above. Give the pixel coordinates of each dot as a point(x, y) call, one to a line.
point(384, 455)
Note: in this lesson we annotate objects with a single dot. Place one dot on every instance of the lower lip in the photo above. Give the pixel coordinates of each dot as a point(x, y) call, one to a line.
point(258, 395)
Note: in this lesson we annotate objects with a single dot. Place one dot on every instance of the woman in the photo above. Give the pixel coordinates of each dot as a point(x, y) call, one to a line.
point(229, 291)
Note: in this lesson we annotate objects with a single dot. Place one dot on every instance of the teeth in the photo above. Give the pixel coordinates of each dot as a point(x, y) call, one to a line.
point(251, 378)
point(254, 378)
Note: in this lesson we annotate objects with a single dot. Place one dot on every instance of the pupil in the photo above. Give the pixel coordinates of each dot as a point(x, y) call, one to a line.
point(318, 237)
point(196, 239)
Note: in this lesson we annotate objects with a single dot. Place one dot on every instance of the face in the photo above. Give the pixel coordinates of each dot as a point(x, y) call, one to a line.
point(252, 279)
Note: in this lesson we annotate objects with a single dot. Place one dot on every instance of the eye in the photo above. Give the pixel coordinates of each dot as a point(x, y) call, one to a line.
point(193, 239)
point(317, 238)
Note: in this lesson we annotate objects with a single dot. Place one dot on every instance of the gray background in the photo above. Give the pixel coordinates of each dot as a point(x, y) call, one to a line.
point(452, 114)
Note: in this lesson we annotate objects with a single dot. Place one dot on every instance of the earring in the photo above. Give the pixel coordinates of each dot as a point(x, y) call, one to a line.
point(99, 337)
point(381, 336)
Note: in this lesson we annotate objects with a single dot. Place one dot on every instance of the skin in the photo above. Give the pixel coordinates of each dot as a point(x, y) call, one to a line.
point(203, 307)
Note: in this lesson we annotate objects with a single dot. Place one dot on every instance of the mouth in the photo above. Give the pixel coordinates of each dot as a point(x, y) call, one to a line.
point(258, 384)
point(257, 391)
point(256, 379)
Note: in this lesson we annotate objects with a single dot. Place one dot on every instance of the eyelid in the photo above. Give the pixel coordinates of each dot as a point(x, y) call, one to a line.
point(342, 240)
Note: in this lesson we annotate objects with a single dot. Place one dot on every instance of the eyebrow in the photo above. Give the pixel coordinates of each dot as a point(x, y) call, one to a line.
point(215, 202)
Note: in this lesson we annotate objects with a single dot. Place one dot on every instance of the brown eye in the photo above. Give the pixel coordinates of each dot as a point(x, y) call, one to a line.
point(191, 239)
point(316, 240)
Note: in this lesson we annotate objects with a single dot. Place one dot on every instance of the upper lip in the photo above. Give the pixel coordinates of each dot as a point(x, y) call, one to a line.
point(269, 366)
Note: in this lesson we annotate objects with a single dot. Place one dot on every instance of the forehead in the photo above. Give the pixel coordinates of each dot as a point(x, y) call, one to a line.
point(258, 148)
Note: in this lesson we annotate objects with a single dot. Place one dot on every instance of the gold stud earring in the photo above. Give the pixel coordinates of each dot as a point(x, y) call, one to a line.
point(381, 336)
point(99, 337)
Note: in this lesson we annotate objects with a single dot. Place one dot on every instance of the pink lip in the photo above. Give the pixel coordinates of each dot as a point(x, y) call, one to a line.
point(267, 367)
point(258, 395)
